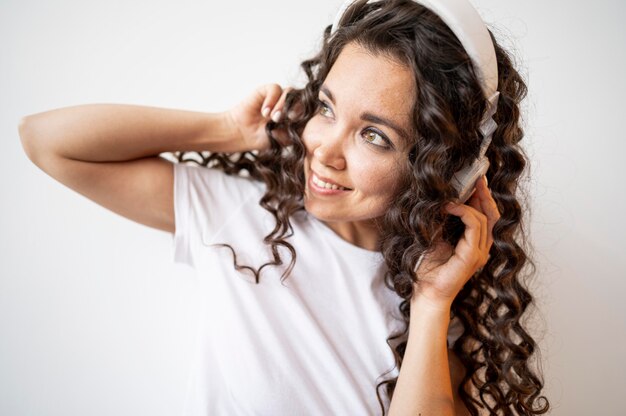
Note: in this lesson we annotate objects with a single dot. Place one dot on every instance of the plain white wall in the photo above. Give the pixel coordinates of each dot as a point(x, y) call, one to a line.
point(94, 316)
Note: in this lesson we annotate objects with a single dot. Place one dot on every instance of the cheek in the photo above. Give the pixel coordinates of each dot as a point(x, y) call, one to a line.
point(375, 177)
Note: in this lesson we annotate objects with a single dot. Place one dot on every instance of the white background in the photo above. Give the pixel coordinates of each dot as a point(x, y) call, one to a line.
point(95, 319)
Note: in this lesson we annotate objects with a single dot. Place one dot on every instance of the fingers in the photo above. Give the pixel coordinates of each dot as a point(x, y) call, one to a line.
point(474, 202)
point(479, 215)
point(296, 111)
point(475, 222)
point(274, 101)
point(278, 113)
point(488, 206)
point(271, 93)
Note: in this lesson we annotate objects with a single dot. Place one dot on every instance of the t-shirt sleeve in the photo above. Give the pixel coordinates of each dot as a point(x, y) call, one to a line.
point(204, 200)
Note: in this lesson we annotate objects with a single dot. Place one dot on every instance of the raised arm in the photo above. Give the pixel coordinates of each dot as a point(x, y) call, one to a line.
point(424, 385)
point(122, 132)
point(430, 373)
point(110, 152)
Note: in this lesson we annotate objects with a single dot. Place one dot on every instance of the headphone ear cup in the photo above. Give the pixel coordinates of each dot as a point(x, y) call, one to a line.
point(465, 179)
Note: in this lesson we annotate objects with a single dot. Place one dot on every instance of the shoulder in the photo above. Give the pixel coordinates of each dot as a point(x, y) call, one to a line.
point(211, 182)
point(206, 198)
point(215, 173)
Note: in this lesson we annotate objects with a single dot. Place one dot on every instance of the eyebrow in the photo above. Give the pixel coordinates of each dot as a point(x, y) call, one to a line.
point(373, 118)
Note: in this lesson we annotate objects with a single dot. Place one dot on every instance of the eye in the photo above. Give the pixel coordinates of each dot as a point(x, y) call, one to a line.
point(382, 140)
point(323, 106)
point(378, 140)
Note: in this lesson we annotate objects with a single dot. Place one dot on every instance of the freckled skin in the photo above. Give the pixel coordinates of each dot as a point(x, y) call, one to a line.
point(337, 149)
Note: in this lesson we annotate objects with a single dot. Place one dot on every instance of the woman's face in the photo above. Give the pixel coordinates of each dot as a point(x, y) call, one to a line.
point(350, 141)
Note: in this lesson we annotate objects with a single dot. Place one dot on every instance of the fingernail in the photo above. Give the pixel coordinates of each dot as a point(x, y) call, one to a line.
point(276, 116)
point(265, 111)
point(485, 178)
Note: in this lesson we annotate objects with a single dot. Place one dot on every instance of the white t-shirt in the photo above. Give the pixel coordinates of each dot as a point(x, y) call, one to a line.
point(313, 345)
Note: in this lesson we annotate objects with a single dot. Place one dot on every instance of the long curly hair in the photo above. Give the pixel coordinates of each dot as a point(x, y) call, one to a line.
point(494, 348)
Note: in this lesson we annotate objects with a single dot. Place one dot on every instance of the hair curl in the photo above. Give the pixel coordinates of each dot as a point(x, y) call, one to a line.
point(494, 348)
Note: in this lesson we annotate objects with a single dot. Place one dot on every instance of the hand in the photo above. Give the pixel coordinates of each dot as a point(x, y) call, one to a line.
point(252, 114)
point(444, 272)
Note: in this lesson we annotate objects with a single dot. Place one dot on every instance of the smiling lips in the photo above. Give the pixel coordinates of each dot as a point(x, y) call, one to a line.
point(326, 183)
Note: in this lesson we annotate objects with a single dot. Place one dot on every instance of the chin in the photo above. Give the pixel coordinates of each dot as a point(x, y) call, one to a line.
point(321, 213)
point(314, 210)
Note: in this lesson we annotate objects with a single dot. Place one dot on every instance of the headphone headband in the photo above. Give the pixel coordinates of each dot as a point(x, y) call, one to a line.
point(463, 19)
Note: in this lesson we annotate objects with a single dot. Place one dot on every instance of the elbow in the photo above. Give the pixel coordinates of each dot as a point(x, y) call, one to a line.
point(23, 127)
point(25, 131)
point(22, 130)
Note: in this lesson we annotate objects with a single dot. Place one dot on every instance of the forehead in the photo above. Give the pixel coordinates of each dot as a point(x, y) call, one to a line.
point(367, 82)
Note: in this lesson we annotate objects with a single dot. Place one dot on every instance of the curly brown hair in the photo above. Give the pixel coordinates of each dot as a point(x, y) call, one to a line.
point(494, 348)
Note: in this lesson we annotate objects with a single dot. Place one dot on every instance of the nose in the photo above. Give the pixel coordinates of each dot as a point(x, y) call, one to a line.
point(330, 152)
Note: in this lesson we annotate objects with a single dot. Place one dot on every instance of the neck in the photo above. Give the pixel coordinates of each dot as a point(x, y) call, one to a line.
point(363, 234)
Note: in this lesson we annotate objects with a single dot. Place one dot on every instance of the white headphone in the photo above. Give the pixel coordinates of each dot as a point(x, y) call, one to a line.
point(461, 17)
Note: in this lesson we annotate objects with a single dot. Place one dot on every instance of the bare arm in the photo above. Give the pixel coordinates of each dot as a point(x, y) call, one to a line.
point(121, 132)
point(424, 386)
point(109, 153)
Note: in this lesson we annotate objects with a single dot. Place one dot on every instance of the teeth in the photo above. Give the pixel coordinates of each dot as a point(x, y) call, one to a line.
point(323, 184)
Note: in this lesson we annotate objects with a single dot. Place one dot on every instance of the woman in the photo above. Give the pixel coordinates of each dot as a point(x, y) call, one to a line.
point(351, 178)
